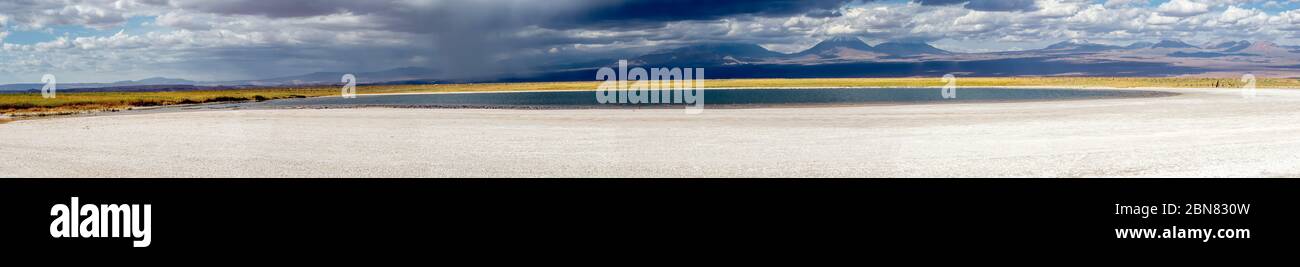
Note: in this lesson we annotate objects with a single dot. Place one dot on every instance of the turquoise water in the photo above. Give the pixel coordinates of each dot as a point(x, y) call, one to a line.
point(727, 97)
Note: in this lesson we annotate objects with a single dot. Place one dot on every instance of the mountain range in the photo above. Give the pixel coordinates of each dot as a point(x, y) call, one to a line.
point(845, 56)
point(408, 75)
point(851, 57)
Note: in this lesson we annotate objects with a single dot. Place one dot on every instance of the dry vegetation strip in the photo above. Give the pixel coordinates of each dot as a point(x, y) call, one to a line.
point(31, 104)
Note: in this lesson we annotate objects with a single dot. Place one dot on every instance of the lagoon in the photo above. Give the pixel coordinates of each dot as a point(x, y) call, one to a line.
point(725, 98)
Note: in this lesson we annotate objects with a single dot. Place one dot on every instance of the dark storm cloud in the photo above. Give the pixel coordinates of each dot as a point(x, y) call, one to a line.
point(986, 5)
point(460, 37)
point(470, 37)
point(467, 37)
point(636, 13)
point(556, 14)
point(480, 30)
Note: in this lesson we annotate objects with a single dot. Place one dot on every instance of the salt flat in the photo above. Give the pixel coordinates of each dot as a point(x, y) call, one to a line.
point(1202, 133)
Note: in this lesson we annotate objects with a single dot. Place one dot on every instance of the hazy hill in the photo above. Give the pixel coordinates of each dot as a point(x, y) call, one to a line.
point(909, 49)
point(1175, 44)
point(1080, 46)
point(707, 55)
point(837, 47)
point(1231, 46)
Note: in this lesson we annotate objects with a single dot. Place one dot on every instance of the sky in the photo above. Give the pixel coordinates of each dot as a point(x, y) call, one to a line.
point(221, 40)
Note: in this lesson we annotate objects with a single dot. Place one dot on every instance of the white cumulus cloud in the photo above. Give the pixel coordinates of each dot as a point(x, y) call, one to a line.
point(1183, 8)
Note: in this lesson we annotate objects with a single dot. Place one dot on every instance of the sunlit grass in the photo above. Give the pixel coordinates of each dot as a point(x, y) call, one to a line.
point(31, 104)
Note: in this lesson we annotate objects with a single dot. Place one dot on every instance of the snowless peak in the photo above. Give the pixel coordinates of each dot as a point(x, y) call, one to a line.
point(1172, 44)
point(842, 39)
point(1140, 45)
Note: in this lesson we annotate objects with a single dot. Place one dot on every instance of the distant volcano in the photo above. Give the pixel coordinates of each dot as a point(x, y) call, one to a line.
point(1231, 46)
point(1176, 44)
point(708, 55)
point(846, 47)
point(909, 49)
point(1080, 46)
point(839, 46)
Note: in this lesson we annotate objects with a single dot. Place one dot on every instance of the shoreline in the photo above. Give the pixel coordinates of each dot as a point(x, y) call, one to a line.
point(260, 104)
